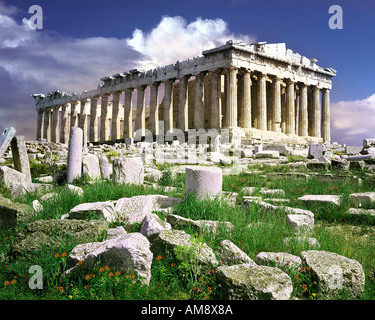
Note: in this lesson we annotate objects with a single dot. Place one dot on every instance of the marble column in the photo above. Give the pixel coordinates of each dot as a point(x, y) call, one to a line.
point(262, 102)
point(154, 109)
point(326, 121)
point(215, 100)
point(231, 105)
point(83, 121)
point(183, 115)
point(116, 119)
point(168, 106)
point(303, 117)
point(198, 101)
point(245, 119)
point(276, 105)
point(94, 123)
point(290, 108)
point(39, 129)
point(47, 122)
point(74, 111)
point(316, 121)
point(128, 114)
point(140, 121)
point(104, 121)
point(55, 132)
point(65, 123)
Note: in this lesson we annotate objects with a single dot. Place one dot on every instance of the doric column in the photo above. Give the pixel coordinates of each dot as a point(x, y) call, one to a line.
point(140, 121)
point(262, 102)
point(183, 123)
point(326, 125)
point(39, 128)
point(231, 105)
point(303, 117)
point(198, 101)
point(316, 121)
point(47, 127)
point(65, 123)
point(215, 99)
point(116, 119)
point(276, 105)
point(55, 132)
point(290, 107)
point(245, 120)
point(128, 114)
point(154, 109)
point(168, 106)
point(83, 120)
point(104, 121)
point(94, 119)
point(74, 119)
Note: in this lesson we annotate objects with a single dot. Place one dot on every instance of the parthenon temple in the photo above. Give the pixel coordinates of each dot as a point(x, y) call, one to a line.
point(266, 90)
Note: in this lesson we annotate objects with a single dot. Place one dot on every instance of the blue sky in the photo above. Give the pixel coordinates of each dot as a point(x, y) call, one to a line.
point(84, 40)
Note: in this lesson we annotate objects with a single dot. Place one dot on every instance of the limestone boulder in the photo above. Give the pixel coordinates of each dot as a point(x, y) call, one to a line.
point(127, 253)
point(12, 178)
point(54, 233)
point(362, 199)
point(335, 273)
point(133, 210)
point(248, 282)
point(152, 225)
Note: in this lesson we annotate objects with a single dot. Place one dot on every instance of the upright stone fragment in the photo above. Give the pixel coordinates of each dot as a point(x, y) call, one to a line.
point(75, 154)
point(90, 166)
point(5, 139)
point(203, 181)
point(104, 166)
point(128, 170)
point(20, 157)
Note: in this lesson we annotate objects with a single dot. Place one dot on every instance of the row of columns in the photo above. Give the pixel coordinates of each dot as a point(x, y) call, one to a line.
point(249, 99)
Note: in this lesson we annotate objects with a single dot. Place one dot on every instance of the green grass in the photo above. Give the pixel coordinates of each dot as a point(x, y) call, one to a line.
point(255, 230)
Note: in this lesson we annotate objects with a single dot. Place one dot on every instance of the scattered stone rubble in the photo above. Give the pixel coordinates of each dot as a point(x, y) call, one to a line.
point(241, 277)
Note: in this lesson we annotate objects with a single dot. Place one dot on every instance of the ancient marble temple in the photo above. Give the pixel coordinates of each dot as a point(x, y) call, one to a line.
point(264, 90)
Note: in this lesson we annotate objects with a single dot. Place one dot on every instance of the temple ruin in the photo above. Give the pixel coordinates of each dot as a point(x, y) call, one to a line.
point(266, 90)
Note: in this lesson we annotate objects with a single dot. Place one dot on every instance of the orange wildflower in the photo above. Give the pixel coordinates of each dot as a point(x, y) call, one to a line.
point(133, 276)
point(106, 268)
point(57, 255)
point(87, 277)
point(118, 273)
point(159, 257)
point(80, 262)
point(14, 281)
point(101, 270)
point(110, 274)
point(64, 254)
point(6, 283)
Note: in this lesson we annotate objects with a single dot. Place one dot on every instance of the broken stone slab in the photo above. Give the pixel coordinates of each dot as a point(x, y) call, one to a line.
point(273, 154)
point(5, 139)
point(11, 177)
point(316, 165)
point(133, 210)
point(362, 212)
point(37, 206)
point(281, 148)
point(201, 226)
point(337, 178)
point(300, 221)
point(45, 179)
point(95, 210)
point(368, 142)
point(362, 199)
point(90, 166)
point(11, 213)
point(332, 199)
point(230, 254)
point(173, 241)
point(361, 157)
point(278, 259)
point(203, 181)
point(74, 189)
point(128, 170)
point(335, 273)
point(20, 157)
point(246, 153)
point(248, 282)
point(54, 233)
point(105, 167)
point(127, 253)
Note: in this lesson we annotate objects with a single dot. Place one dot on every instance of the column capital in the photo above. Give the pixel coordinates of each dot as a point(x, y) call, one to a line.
point(95, 98)
point(169, 81)
point(142, 87)
point(327, 90)
point(200, 74)
point(289, 81)
point(187, 76)
point(155, 84)
point(85, 100)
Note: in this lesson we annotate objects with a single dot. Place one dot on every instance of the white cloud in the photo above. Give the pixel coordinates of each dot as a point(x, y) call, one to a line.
point(175, 39)
point(352, 121)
